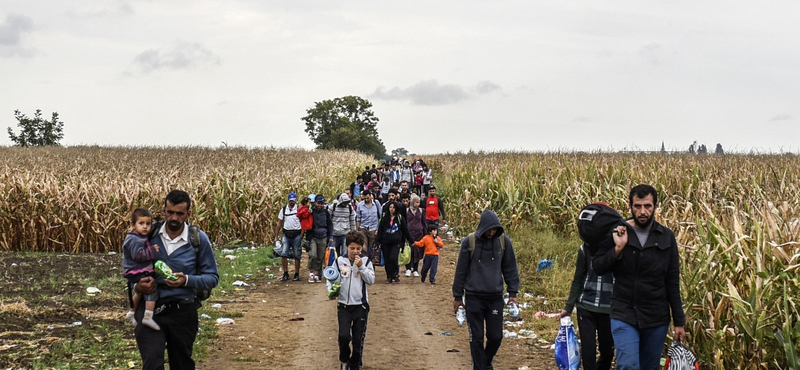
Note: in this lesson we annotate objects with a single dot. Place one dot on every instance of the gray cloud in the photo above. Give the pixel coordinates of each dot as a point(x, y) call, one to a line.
point(11, 31)
point(487, 87)
point(652, 53)
point(181, 56)
point(432, 93)
point(110, 10)
point(780, 117)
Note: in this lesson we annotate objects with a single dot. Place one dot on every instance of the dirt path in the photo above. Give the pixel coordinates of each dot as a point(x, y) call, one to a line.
point(403, 331)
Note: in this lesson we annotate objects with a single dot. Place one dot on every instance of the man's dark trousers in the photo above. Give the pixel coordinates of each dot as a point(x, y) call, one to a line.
point(178, 325)
point(480, 311)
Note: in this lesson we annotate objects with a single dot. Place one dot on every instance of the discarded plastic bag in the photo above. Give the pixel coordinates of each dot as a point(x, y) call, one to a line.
point(224, 321)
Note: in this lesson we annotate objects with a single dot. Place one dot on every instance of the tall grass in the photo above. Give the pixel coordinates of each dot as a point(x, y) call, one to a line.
point(78, 199)
point(735, 218)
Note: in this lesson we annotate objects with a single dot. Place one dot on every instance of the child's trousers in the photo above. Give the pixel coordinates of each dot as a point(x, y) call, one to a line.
point(430, 263)
point(352, 327)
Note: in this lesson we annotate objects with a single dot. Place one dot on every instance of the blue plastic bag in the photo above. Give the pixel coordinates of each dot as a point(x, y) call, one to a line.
point(567, 351)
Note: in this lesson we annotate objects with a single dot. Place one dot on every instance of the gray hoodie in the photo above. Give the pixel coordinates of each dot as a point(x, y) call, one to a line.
point(482, 275)
point(354, 280)
point(343, 215)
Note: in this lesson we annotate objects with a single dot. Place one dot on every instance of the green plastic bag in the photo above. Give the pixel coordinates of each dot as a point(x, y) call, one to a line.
point(405, 256)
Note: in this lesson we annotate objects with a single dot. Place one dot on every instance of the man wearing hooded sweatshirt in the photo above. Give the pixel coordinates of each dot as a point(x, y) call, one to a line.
point(479, 277)
point(344, 221)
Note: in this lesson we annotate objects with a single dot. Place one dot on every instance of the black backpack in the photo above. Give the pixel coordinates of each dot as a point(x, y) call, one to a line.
point(194, 239)
point(595, 223)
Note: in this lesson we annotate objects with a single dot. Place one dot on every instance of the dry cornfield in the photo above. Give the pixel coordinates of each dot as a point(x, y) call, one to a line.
point(79, 199)
point(736, 217)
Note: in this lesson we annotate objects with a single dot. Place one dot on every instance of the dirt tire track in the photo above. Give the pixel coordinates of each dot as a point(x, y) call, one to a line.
point(400, 316)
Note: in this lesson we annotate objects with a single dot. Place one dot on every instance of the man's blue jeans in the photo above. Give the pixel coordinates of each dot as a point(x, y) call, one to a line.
point(338, 243)
point(638, 349)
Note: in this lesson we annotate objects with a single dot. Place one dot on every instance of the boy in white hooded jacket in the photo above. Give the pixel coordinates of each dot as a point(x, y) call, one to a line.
point(356, 272)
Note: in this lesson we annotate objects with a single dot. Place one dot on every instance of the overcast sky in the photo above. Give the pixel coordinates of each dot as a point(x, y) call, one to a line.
point(442, 75)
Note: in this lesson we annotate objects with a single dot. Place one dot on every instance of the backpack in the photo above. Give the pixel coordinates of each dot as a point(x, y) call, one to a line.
point(595, 222)
point(471, 239)
point(194, 239)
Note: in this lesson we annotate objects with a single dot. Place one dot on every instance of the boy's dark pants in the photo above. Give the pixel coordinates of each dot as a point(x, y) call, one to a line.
point(352, 317)
point(590, 323)
point(478, 311)
point(430, 263)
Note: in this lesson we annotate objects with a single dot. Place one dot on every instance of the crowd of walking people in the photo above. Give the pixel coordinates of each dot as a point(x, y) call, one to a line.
point(394, 204)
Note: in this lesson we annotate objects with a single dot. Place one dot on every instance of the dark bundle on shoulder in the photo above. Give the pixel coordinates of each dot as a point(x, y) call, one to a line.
point(595, 223)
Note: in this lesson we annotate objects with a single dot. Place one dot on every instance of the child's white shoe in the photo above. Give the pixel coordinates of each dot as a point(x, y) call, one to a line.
point(130, 317)
point(416, 274)
point(148, 321)
point(408, 273)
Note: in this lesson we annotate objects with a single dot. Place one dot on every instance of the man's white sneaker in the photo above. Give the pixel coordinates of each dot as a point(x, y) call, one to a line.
point(416, 274)
point(408, 273)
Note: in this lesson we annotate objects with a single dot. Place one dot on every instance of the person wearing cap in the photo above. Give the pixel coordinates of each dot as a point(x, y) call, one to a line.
point(368, 213)
point(344, 221)
point(433, 207)
point(290, 230)
point(321, 234)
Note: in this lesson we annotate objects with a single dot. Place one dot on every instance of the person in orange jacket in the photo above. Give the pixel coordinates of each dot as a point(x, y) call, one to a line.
point(432, 244)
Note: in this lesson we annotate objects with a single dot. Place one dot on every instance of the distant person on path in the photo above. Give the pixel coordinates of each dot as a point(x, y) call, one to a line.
point(417, 228)
point(290, 230)
point(432, 244)
point(646, 284)
point(592, 294)
point(321, 236)
point(434, 207)
point(392, 234)
point(427, 178)
point(394, 173)
point(356, 273)
point(406, 173)
point(357, 187)
point(138, 257)
point(478, 286)
point(368, 213)
point(344, 221)
point(176, 308)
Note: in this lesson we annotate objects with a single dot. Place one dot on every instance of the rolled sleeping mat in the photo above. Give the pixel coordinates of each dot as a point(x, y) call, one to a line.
point(330, 273)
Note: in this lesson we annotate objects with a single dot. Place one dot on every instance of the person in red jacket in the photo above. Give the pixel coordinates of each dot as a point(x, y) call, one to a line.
point(432, 244)
point(433, 207)
point(304, 214)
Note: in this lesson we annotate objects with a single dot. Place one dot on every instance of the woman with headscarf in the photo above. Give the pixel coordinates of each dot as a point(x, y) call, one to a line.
point(415, 218)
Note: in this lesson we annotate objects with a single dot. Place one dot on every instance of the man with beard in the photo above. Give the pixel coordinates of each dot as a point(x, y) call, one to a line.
point(176, 308)
point(646, 271)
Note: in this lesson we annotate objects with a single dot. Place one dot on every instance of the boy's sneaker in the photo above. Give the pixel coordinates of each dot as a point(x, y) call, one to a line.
point(408, 273)
point(296, 277)
point(316, 278)
point(311, 277)
point(344, 366)
point(285, 276)
point(416, 274)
